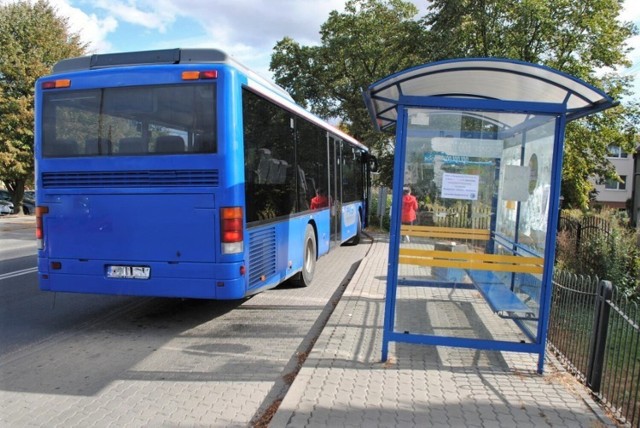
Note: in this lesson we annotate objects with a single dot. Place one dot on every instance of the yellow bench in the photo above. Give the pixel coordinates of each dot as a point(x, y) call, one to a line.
point(471, 261)
point(445, 232)
point(480, 267)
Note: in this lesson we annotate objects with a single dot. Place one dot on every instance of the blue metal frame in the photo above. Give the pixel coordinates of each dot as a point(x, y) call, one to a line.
point(550, 247)
point(389, 333)
point(562, 115)
point(394, 239)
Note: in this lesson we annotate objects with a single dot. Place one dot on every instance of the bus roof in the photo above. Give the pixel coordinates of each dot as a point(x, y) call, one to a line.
point(185, 56)
point(156, 57)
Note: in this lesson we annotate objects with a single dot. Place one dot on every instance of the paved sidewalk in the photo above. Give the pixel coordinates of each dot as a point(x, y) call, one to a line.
point(343, 382)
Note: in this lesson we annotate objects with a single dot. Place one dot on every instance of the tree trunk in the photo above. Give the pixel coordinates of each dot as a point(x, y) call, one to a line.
point(16, 188)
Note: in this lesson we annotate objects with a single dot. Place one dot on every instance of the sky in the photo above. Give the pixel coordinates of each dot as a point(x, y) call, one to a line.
point(245, 29)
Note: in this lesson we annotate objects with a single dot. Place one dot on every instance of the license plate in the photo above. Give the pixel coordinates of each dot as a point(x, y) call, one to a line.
point(128, 272)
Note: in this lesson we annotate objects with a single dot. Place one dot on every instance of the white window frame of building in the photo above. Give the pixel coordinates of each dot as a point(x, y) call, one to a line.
point(616, 152)
point(615, 184)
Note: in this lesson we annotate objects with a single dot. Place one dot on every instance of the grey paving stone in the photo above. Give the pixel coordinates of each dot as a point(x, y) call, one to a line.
point(427, 386)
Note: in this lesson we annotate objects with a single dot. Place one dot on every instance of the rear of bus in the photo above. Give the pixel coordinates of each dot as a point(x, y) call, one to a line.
point(137, 189)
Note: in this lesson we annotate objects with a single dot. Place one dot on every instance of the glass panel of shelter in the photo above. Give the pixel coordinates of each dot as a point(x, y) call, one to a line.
point(479, 184)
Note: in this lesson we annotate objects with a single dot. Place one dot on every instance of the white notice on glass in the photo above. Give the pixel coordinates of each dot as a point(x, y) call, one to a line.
point(460, 186)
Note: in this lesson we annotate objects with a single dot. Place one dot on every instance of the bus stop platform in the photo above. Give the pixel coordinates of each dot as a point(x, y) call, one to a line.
point(343, 383)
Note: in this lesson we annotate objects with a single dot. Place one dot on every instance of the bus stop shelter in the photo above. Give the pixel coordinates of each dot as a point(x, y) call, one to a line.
point(479, 145)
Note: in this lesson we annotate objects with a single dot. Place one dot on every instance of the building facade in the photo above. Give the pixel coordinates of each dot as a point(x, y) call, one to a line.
point(612, 193)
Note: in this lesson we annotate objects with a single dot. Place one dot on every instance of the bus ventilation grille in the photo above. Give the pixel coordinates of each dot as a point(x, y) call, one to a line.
point(162, 178)
point(262, 255)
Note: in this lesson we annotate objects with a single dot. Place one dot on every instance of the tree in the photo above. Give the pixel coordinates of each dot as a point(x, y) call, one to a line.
point(375, 38)
point(33, 39)
point(368, 41)
point(573, 36)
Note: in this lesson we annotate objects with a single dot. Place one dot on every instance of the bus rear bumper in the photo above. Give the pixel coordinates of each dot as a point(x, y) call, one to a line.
point(187, 280)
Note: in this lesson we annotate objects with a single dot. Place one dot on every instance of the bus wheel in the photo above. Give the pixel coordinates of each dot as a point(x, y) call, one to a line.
point(309, 255)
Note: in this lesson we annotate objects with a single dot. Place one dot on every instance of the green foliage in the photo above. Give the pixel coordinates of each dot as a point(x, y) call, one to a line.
point(381, 223)
point(616, 259)
point(613, 255)
point(572, 36)
point(33, 39)
point(368, 41)
point(375, 38)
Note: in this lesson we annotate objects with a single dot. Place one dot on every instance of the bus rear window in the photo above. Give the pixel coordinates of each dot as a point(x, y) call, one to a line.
point(127, 121)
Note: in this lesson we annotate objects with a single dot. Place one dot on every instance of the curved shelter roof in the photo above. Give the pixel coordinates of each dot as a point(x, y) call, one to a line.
point(526, 86)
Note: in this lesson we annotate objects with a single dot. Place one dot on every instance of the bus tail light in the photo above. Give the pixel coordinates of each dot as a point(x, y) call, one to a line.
point(56, 84)
point(231, 230)
point(40, 212)
point(200, 75)
point(209, 74)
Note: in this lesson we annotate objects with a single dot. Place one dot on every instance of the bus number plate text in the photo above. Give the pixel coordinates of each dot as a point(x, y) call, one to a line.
point(128, 272)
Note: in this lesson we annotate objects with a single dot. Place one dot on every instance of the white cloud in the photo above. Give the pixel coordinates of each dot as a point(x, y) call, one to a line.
point(154, 15)
point(255, 23)
point(249, 29)
point(631, 13)
point(246, 29)
point(93, 30)
point(265, 24)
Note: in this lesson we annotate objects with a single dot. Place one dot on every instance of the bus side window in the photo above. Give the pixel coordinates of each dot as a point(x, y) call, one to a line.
point(303, 190)
point(264, 164)
point(96, 146)
point(204, 143)
point(132, 145)
point(64, 147)
point(169, 144)
point(283, 168)
point(274, 171)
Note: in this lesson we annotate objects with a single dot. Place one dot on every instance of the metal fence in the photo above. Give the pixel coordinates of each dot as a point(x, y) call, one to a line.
point(466, 216)
point(595, 332)
point(471, 215)
point(584, 229)
point(580, 233)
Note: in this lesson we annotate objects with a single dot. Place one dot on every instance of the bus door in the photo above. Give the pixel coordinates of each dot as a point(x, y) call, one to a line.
point(335, 183)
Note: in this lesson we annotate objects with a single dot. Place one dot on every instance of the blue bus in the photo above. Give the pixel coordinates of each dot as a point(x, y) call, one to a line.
point(181, 173)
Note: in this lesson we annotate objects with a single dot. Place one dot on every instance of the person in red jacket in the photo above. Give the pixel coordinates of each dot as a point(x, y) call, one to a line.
point(320, 200)
point(409, 208)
